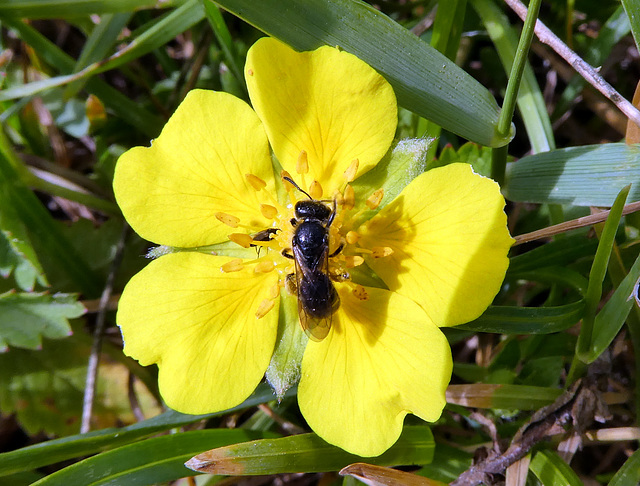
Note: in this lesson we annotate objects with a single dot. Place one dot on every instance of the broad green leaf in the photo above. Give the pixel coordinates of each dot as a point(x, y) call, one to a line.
point(25, 318)
point(526, 320)
point(470, 153)
point(309, 453)
point(43, 9)
point(632, 7)
point(425, 81)
point(611, 317)
point(150, 461)
point(509, 397)
point(592, 175)
point(530, 101)
point(448, 463)
point(629, 473)
point(556, 253)
point(65, 448)
point(553, 471)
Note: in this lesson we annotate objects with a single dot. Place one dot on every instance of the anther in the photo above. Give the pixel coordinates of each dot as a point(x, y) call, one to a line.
point(228, 219)
point(352, 237)
point(381, 251)
point(352, 170)
point(375, 199)
point(315, 190)
point(241, 239)
point(353, 261)
point(268, 211)
point(257, 183)
point(349, 198)
point(274, 291)
point(360, 293)
point(234, 265)
point(265, 306)
point(302, 165)
point(264, 267)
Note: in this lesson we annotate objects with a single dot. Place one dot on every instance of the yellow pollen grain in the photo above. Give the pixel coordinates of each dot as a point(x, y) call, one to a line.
point(241, 239)
point(302, 164)
point(250, 72)
point(268, 211)
point(360, 293)
point(352, 237)
point(353, 261)
point(255, 181)
point(315, 190)
point(349, 198)
point(352, 170)
point(264, 267)
point(234, 265)
point(375, 199)
point(265, 306)
point(228, 219)
point(381, 251)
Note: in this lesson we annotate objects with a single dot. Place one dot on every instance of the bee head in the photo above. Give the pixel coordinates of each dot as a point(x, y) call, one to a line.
point(312, 210)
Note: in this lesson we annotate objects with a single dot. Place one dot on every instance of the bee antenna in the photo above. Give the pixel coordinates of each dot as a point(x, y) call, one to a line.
point(290, 181)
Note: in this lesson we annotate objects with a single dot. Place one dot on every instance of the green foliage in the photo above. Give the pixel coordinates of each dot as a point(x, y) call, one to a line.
point(84, 80)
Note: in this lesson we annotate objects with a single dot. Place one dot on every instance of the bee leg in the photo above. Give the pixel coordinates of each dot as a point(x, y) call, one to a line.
point(286, 253)
point(290, 284)
point(338, 250)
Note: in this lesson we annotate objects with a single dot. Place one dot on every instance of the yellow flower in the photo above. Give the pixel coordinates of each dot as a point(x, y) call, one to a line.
point(210, 322)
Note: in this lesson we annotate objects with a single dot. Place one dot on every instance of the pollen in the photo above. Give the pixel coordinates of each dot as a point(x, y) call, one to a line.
point(242, 239)
point(381, 251)
point(375, 199)
point(228, 219)
point(360, 293)
point(268, 211)
point(234, 265)
point(265, 306)
point(352, 170)
point(255, 181)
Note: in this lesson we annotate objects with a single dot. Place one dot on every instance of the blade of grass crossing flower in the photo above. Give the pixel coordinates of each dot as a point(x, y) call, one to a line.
point(128, 110)
point(597, 274)
point(49, 9)
point(151, 461)
point(99, 43)
point(159, 33)
point(629, 473)
point(526, 320)
point(65, 448)
point(632, 7)
point(309, 453)
point(509, 397)
point(530, 102)
point(591, 175)
point(610, 319)
point(551, 470)
point(424, 80)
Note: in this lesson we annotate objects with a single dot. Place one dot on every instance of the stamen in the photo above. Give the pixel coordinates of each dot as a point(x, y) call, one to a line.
point(375, 199)
point(228, 219)
point(264, 266)
point(349, 198)
point(242, 239)
point(302, 165)
point(265, 306)
point(353, 261)
point(360, 293)
point(257, 183)
point(381, 251)
point(234, 265)
point(315, 190)
point(268, 211)
point(274, 291)
point(352, 237)
point(352, 170)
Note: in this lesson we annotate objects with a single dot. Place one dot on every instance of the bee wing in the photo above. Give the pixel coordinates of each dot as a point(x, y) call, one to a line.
point(316, 328)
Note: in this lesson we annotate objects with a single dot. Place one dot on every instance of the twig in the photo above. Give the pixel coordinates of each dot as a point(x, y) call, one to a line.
point(573, 224)
point(584, 69)
point(94, 358)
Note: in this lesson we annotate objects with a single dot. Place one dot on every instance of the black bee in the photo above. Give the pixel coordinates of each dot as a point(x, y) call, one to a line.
point(317, 297)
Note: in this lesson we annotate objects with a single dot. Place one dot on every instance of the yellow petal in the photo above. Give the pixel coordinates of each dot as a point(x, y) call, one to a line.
point(171, 191)
point(382, 359)
point(199, 325)
point(327, 103)
point(448, 232)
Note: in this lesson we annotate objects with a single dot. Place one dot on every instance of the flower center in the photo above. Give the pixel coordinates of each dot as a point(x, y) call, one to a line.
point(309, 233)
